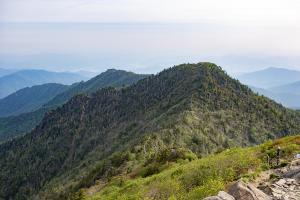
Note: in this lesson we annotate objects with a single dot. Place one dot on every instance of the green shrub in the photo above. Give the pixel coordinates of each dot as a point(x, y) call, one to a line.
point(274, 176)
point(211, 187)
point(151, 169)
point(196, 179)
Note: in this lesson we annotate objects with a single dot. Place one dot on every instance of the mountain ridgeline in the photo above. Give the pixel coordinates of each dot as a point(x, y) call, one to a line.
point(111, 77)
point(196, 107)
point(32, 103)
point(281, 85)
point(27, 78)
point(270, 77)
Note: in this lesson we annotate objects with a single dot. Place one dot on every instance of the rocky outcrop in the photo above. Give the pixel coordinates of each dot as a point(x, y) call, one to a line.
point(283, 189)
point(293, 174)
point(287, 185)
point(243, 191)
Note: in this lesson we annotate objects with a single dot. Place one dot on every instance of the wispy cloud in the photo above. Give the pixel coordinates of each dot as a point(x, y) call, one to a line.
point(151, 31)
point(274, 12)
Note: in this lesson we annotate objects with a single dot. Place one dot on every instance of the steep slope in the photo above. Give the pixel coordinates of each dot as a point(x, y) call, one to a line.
point(193, 106)
point(15, 125)
point(270, 77)
point(26, 78)
point(29, 99)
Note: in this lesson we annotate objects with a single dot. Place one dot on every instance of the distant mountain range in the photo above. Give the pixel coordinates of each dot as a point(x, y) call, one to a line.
point(270, 77)
point(26, 78)
point(291, 100)
point(4, 72)
point(293, 88)
point(33, 102)
point(281, 85)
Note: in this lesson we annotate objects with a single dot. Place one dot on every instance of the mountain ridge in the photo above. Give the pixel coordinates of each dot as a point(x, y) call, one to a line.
point(293, 88)
point(270, 77)
point(4, 72)
point(193, 106)
point(111, 77)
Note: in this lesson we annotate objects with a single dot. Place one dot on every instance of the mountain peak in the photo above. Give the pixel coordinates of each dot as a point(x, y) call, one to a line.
point(279, 68)
point(111, 70)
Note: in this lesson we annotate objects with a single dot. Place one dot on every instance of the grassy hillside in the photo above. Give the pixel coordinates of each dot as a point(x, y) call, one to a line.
point(192, 109)
point(192, 179)
point(29, 99)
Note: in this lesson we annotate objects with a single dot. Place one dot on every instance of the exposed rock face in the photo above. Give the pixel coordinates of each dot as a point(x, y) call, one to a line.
point(287, 187)
point(225, 196)
point(294, 174)
point(213, 198)
point(283, 189)
point(242, 191)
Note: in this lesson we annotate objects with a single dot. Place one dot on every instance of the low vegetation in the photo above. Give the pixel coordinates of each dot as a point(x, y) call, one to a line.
point(198, 178)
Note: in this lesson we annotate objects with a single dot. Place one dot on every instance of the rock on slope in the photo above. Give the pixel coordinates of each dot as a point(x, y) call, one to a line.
point(286, 187)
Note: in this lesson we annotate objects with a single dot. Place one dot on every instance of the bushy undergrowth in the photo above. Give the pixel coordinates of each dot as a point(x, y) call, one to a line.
point(198, 178)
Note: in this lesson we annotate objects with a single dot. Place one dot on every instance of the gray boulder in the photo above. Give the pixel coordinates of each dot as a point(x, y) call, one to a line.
point(221, 196)
point(213, 198)
point(243, 191)
point(225, 196)
point(294, 174)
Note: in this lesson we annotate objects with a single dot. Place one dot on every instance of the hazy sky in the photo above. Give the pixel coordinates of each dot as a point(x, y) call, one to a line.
point(146, 36)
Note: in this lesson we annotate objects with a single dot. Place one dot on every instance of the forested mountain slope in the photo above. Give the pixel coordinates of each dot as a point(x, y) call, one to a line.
point(16, 125)
point(111, 77)
point(29, 99)
point(196, 107)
